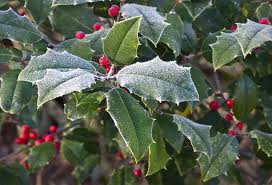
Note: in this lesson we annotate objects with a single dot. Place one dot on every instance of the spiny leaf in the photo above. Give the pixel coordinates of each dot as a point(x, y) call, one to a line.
point(158, 156)
point(198, 134)
point(57, 74)
point(132, 121)
point(196, 8)
point(95, 40)
point(121, 43)
point(14, 95)
point(225, 152)
point(264, 141)
point(163, 81)
point(152, 23)
point(19, 28)
point(72, 2)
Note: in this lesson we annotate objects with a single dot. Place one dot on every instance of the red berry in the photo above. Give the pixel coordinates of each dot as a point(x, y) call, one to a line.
point(229, 103)
point(119, 155)
point(80, 35)
point(18, 141)
point(38, 142)
point(48, 138)
point(137, 172)
point(113, 10)
point(25, 165)
point(21, 12)
point(97, 26)
point(25, 130)
point(232, 133)
point(233, 28)
point(33, 135)
point(240, 125)
point(229, 117)
point(104, 62)
point(108, 69)
point(57, 145)
point(53, 129)
point(264, 20)
point(214, 105)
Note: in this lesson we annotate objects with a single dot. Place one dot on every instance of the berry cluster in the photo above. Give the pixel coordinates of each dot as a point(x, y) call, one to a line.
point(105, 63)
point(113, 11)
point(229, 117)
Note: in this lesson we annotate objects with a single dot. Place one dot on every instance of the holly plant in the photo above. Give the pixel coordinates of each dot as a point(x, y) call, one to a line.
point(169, 92)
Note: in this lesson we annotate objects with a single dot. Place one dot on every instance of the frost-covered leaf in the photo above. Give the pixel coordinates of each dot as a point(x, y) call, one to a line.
point(9, 54)
point(245, 97)
point(72, 2)
point(264, 10)
point(57, 74)
point(163, 81)
point(83, 105)
point(170, 132)
point(19, 28)
point(158, 156)
point(14, 95)
point(41, 155)
point(225, 152)
point(132, 121)
point(225, 49)
point(264, 141)
point(198, 134)
point(123, 176)
point(121, 42)
point(152, 23)
point(95, 40)
point(196, 8)
point(173, 34)
point(39, 9)
point(67, 20)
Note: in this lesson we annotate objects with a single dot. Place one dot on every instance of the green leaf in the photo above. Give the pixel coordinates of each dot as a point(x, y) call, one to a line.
point(76, 47)
point(245, 97)
point(266, 103)
point(196, 8)
point(9, 54)
point(72, 2)
point(264, 141)
point(225, 152)
point(73, 152)
point(200, 83)
point(67, 20)
point(132, 121)
point(225, 49)
point(95, 40)
point(13, 174)
point(189, 40)
point(198, 134)
point(57, 74)
point(123, 176)
point(121, 42)
point(165, 82)
point(39, 9)
point(83, 105)
point(40, 155)
point(14, 95)
point(158, 156)
point(174, 33)
point(264, 10)
point(19, 28)
point(170, 132)
point(122, 145)
point(152, 23)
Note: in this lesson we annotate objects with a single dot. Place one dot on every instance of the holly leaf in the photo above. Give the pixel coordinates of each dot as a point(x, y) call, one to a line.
point(19, 28)
point(264, 10)
point(165, 82)
point(121, 42)
point(72, 2)
point(198, 134)
point(245, 100)
point(122, 145)
point(40, 155)
point(152, 23)
point(158, 156)
point(132, 121)
point(225, 49)
point(14, 95)
point(13, 174)
point(196, 8)
point(9, 54)
point(174, 33)
point(264, 141)
point(200, 83)
point(95, 40)
point(123, 176)
point(57, 74)
point(225, 152)
point(39, 9)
